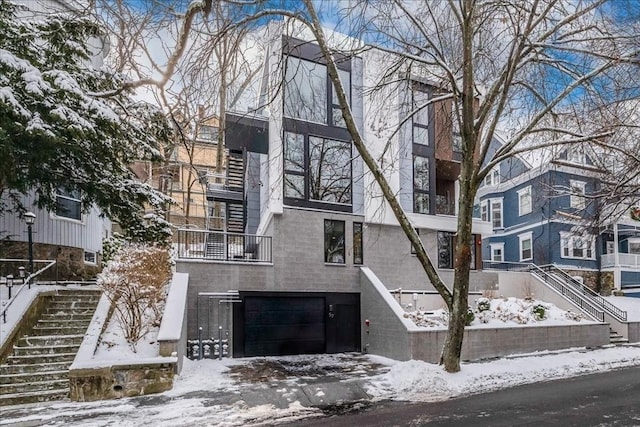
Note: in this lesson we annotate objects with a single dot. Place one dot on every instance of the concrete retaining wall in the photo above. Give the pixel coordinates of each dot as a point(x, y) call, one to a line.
point(112, 382)
point(392, 335)
point(172, 335)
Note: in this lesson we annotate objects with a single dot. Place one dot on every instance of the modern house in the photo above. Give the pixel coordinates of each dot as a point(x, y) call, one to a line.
point(291, 281)
point(66, 234)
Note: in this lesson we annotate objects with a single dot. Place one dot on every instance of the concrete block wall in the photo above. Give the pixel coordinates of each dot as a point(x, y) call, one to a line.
point(388, 253)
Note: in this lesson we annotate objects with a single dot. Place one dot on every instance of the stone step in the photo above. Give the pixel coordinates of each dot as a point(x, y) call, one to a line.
point(62, 329)
point(30, 377)
point(40, 359)
point(49, 340)
point(71, 305)
point(34, 397)
point(16, 368)
point(51, 349)
point(62, 323)
point(68, 296)
point(68, 316)
point(30, 387)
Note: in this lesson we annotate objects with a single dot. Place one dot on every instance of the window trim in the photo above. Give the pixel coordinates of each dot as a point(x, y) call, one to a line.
point(484, 206)
point(521, 194)
point(567, 241)
point(521, 239)
point(491, 202)
point(54, 212)
point(343, 252)
point(494, 246)
point(577, 201)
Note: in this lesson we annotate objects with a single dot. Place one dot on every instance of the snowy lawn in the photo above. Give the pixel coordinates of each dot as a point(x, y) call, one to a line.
point(629, 304)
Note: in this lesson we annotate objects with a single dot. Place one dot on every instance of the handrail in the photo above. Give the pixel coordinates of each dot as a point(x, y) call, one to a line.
point(568, 292)
point(27, 282)
point(611, 309)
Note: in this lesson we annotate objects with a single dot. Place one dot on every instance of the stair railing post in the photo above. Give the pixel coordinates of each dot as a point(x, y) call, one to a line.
point(200, 343)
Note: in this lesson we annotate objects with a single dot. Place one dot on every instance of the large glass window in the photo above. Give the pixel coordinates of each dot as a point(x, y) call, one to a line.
point(357, 243)
point(68, 204)
point(420, 184)
point(329, 170)
point(333, 241)
point(445, 249)
point(305, 96)
point(318, 169)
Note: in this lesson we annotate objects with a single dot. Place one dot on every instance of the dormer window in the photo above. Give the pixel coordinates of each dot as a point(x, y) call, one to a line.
point(576, 155)
point(493, 177)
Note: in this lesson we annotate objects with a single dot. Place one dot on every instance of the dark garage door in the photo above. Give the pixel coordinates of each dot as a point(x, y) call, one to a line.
point(280, 325)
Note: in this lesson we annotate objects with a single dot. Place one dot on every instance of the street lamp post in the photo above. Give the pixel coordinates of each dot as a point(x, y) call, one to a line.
point(30, 219)
point(21, 274)
point(9, 284)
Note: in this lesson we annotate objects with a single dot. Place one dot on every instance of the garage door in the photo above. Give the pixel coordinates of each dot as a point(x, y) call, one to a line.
point(283, 325)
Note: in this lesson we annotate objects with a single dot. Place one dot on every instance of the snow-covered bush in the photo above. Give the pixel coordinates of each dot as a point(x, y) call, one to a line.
point(539, 311)
point(483, 304)
point(470, 317)
point(135, 282)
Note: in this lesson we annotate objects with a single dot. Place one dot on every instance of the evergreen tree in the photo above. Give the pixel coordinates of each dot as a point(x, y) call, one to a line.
point(65, 124)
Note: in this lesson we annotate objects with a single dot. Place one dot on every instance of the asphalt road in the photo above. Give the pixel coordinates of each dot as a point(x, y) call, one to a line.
point(606, 399)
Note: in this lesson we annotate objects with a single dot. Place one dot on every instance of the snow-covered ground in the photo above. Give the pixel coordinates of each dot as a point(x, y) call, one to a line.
point(502, 312)
point(629, 304)
point(191, 402)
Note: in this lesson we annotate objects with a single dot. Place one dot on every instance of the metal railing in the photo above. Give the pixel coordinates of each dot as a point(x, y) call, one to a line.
point(569, 292)
point(26, 284)
point(505, 266)
point(223, 246)
point(605, 305)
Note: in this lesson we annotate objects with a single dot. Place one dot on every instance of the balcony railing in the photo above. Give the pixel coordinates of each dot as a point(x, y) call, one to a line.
point(624, 260)
point(223, 246)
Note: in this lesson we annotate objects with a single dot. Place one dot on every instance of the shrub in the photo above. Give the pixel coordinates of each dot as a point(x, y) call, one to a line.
point(470, 317)
point(483, 304)
point(539, 311)
point(135, 282)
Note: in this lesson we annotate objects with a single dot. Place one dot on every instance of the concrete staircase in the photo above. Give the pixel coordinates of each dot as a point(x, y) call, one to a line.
point(37, 371)
point(616, 338)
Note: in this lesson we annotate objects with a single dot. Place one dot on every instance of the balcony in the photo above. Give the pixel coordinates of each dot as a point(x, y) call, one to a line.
point(223, 246)
point(624, 260)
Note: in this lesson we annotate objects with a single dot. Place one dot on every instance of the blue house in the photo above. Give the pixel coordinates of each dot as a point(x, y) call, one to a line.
point(545, 215)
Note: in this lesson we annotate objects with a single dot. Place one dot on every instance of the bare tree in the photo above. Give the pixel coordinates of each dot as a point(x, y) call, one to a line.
point(518, 63)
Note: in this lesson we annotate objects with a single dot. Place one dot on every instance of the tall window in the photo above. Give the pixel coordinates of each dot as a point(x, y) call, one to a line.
point(333, 241)
point(526, 246)
point(357, 243)
point(305, 90)
point(497, 252)
point(420, 119)
point(484, 210)
point(574, 246)
point(496, 213)
point(68, 204)
point(306, 96)
point(317, 169)
point(445, 249)
point(577, 200)
point(420, 184)
point(524, 201)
